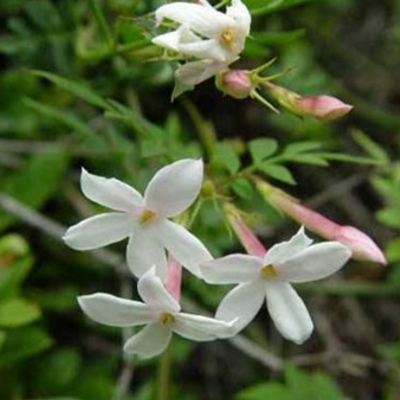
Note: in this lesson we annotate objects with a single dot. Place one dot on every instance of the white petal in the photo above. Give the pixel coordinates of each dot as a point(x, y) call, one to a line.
point(288, 312)
point(172, 40)
point(283, 251)
point(236, 268)
point(144, 251)
point(207, 49)
point(240, 13)
point(98, 231)
point(243, 302)
point(313, 263)
point(154, 294)
point(175, 187)
point(185, 247)
point(200, 328)
point(195, 72)
point(203, 20)
point(114, 311)
point(110, 193)
point(150, 341)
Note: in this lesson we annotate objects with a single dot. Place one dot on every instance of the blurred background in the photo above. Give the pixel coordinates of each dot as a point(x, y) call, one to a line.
point(81, 85)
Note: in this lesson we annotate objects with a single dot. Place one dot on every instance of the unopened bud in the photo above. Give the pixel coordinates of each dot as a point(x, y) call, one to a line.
point(321, 107)
point(235, 83)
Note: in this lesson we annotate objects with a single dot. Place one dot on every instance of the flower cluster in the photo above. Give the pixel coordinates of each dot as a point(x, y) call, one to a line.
point(145, 222)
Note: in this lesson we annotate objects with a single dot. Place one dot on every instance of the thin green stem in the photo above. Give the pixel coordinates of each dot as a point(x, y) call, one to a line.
point(257, 96)
point(101, 20)
point(164, 374)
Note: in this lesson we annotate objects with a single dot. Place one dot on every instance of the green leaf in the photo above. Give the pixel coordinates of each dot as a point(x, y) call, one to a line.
point(35, 182)
point(260, 149)
point(393, 250)
point(348, 158)
point(78, 89)
point(57, 370)
point(301, 147)
point(243, 188)
point(12, 275)
point(277, 172)
point(389, 217)
point(227, 157)
point(310, 158)
point(323, 383)
point(23, 343)
point(3, 336)
point(18, 312)
point(265, 391)
point(372, 148)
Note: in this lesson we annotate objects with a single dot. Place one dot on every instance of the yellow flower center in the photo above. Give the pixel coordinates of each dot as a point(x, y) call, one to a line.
point(227, 39)
point(167, 319)
point(146, 216)
point(268, 272)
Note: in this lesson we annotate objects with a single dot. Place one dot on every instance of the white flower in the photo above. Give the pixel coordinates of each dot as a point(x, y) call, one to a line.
point(215, 38)
point(144, 219)
point(270, 277)
point(161, 314)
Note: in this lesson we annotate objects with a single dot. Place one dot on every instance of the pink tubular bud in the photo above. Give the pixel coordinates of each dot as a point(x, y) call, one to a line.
point(235, 83)
point(246, 236)
point(362, 246)
point(174, 278)
point(322, 107)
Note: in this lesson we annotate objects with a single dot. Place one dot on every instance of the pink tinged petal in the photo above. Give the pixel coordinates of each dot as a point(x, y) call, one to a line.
point(150, 341)
point(114, 311)
point(110, 193)
point(315, 262)
point(144, 251)
point(240, 13)
point(173, 281)
point(196, 72)
point(207, 49)
point(282, 251)
point(175, 187)
point(155, 295)
point(236, 268)
point(203, 20)
point(243, 302)
point(288, 312)
point(200, 328)
point(362, 246)
point(98, 231)
point(321, 107)
point(185, 247)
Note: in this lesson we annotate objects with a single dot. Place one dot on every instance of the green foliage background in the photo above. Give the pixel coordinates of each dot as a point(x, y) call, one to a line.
point(81, 85)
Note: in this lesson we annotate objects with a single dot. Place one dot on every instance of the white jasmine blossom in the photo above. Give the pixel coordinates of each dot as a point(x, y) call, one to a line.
point(269, 277)
point(213, 37)
point(161, 314)
point(144, 219)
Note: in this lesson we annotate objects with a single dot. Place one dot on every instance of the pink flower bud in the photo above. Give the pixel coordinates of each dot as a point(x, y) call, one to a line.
point(362, 246)
point(246, 236)
point(235, 83)
point(174, 278)
point(322, 107)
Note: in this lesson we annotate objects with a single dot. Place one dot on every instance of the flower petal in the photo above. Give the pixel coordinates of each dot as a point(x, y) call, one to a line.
point(153, 293)
point(243, 302)
point(185, 247)
point(200, 328)
point(150, 341)
point(175, 187)
point(313, 263)
point(193, 73)
point(98, 231)
point(240, 13)
point(282, 251)
point(114, 311)
point(144, 251)
point(110, 193)
point(203, 20)
point(207, 49)
point(236, 268)
point(172, 40)
point(288, 312)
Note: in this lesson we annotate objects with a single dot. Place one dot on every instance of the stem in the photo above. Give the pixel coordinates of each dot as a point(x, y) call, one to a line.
point(101, 20)
point(164, 372)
